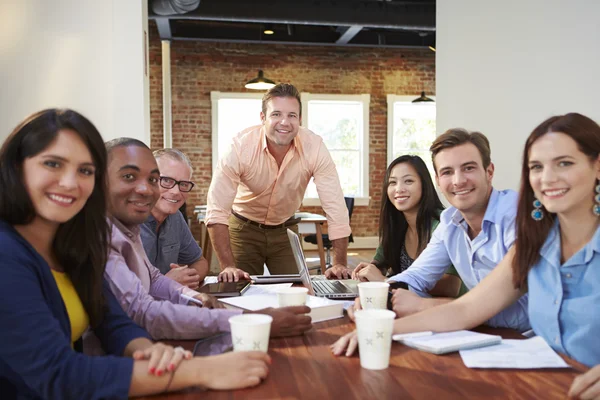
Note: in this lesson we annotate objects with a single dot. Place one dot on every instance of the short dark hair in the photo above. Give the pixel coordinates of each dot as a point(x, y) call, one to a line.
point(80, 244)
point(458, 136)
point(123, 142)
point(281, 90)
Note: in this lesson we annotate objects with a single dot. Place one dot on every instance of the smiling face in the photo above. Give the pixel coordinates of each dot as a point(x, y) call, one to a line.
point(404, 188)
point(132, 184)
point(60, 179)
point(463, 180)
point(171, 200)
point(561, 176)
point(281, 121)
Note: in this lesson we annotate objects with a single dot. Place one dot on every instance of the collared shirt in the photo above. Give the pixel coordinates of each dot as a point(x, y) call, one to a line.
point(564, 300)
point(173, 243)
point(249, 181)
point(473, 259)
point(151, 299)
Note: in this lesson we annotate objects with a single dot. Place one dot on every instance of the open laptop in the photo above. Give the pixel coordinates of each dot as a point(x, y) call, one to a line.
point(333, 289)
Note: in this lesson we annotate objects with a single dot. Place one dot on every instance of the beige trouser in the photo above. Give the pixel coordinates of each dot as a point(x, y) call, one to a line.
point(253, 247)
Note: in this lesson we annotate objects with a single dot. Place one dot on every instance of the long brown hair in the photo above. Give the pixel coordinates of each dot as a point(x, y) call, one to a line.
point(80, 244)
point(531, 234)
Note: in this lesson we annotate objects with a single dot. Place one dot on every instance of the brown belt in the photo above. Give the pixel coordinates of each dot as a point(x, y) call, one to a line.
point(290, 221)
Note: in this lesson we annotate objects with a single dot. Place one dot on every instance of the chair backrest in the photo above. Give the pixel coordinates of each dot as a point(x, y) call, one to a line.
point(350, 205)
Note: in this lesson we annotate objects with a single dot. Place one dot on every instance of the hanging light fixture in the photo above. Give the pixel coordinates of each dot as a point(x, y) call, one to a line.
point(422, 98)
point(268, 30)
point(260, 82)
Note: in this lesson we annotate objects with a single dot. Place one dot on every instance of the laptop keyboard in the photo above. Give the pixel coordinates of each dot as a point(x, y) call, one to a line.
point(330, 287)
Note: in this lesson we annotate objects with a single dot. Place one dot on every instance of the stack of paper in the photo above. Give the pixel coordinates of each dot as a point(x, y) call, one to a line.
point(521, 354)
point(263, 296)
point(441, 343)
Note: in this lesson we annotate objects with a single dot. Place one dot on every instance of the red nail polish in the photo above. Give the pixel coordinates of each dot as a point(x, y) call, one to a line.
point(159, 372)
point(171, 367)
point(152, 370)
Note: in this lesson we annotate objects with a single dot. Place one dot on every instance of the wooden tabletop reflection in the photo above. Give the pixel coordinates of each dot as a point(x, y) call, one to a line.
point(304, 368)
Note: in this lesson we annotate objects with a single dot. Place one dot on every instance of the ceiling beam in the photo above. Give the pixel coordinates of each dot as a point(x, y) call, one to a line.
point(164, 28)
point(341, 13)
point(348, 34)
point(302, 43)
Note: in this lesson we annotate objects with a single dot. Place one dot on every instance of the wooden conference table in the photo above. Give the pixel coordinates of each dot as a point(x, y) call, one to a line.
point(304, 368)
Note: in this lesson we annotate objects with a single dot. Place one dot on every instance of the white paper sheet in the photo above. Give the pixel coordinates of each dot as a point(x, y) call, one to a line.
point(210, 279)
point(447, 342)
point(271, 288)
point(520, 354)
point(259, 301)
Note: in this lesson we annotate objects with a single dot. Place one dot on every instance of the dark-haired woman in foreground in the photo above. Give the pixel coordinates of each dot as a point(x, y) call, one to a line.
point(410, 211)
point(53, 250)
point(556, 257)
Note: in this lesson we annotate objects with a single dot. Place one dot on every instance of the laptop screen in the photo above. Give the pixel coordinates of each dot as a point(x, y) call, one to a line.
point(300, 261)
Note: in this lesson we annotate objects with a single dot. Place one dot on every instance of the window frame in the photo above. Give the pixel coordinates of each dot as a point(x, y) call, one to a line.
point(391, 99)
point(215, 96)
point(365, 99)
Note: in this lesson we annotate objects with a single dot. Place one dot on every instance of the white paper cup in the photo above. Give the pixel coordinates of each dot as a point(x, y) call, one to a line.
point(373, 295)
point(292, 296)
point(374, 328)
point(250, 332)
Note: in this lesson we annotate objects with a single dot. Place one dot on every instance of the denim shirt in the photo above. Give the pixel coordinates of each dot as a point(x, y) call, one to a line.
point(173, 243)
point(474, 259)
point(564, 300)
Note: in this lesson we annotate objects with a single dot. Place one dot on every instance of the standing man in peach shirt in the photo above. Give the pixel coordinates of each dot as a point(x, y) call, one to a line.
point(260, 183)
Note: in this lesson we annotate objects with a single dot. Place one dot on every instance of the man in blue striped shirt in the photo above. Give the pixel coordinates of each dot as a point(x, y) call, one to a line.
point(474, 234)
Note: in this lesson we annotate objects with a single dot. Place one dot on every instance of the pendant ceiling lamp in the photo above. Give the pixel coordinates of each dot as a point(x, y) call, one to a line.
point(260, 82)
point(422, 99)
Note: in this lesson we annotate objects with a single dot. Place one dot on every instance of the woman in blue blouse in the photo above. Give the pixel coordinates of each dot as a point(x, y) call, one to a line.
point(556, 258)
point(53, 250)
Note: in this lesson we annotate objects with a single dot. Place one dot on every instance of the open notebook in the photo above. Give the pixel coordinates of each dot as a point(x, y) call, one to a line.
point(448, 342)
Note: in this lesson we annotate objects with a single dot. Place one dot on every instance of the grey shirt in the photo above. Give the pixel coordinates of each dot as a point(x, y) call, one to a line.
point(174, 242)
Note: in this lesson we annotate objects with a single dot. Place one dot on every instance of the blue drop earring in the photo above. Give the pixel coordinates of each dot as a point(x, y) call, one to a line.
point(596, 208)
point(537, 214)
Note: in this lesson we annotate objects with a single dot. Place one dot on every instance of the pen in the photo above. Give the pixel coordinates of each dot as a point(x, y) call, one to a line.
point(402, 336)
point(191, 299)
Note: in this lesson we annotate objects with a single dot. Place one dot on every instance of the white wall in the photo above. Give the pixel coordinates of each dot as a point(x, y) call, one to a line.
point(83, 54)
point(504, 67)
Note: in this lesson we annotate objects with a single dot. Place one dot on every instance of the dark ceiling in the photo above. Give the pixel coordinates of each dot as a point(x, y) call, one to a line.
point(371, 23)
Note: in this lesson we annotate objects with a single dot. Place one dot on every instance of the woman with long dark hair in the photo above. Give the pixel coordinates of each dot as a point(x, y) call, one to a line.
point(556, 256)
point(53, 250)
point(410, 211)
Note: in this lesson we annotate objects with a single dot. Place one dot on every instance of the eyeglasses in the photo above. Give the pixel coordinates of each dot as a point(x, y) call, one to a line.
point(169, 183)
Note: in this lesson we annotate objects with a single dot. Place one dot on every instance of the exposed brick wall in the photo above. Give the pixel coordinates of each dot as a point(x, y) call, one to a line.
point(198, 68)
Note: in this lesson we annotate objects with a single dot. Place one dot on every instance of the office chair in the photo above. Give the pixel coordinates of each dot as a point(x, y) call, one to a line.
point(326, 242)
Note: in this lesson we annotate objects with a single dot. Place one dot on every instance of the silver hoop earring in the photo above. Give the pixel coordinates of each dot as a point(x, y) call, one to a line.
point(537, 214)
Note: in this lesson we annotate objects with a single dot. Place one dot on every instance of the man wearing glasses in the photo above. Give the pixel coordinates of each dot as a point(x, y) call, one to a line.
point(166, 237)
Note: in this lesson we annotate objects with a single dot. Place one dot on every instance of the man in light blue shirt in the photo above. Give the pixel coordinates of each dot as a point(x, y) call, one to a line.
point(473, 235)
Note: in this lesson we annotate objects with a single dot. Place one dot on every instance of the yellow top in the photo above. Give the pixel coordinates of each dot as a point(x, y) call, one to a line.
point(77, 316)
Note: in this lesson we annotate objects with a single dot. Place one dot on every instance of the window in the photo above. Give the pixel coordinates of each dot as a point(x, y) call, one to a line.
point(231, 113)
point(411, 128)
point(343, 123)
